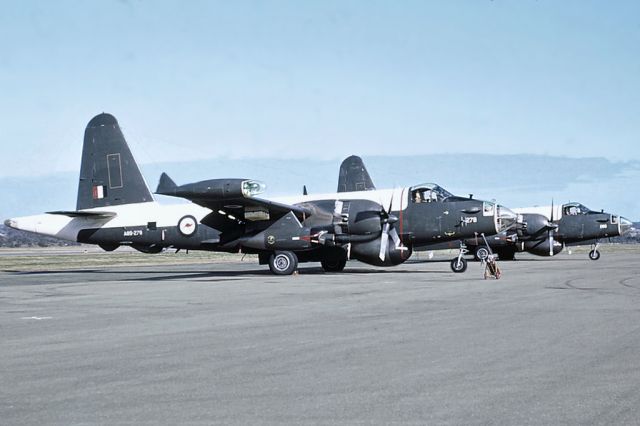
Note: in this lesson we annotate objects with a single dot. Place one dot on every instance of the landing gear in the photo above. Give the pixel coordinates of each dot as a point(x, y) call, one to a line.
point(333, 265)
point(481, 253)
point(594, 254)
point(459, 263)
point(283, 262)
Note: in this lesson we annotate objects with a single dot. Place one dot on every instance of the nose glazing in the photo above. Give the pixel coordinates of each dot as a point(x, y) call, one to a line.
point(505, 218)
point(625, 225)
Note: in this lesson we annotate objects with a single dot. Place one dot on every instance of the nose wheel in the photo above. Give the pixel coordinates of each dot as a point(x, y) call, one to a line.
point(459, 263)
point(594, 254)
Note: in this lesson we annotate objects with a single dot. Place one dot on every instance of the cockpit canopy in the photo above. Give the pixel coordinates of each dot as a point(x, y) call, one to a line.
point(429, 192)
point(575, 209)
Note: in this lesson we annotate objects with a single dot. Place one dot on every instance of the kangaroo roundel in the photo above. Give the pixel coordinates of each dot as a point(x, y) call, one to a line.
point(187, 225)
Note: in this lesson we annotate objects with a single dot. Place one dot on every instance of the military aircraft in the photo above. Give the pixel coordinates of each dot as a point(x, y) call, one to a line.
point(543, 231)
point(115, 208)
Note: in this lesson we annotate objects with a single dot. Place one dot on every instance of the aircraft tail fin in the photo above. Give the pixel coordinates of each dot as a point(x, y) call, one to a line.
point(354, 176)
point(109, 175)
point(166, 185)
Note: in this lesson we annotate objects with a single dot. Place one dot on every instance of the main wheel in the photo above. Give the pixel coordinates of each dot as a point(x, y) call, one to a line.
point(333, 265)
point(594, 255)
point(283, 262)
point(481, 253)
point(458, 265)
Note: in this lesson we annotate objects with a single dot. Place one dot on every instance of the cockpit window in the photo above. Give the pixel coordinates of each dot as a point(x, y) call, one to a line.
point(574, 209)
point(429, 192)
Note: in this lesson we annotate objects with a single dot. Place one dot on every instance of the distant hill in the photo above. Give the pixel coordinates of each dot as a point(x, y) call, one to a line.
point(13, 238)
point(513, 180)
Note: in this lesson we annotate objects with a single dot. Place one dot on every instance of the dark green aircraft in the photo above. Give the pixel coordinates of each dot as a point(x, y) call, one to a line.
point(115, 208)
point(543, 231)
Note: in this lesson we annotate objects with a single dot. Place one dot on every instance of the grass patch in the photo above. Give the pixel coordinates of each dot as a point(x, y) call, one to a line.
point(86, 258)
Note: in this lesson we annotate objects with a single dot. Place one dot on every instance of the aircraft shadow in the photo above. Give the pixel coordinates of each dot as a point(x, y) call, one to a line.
point(119, 275)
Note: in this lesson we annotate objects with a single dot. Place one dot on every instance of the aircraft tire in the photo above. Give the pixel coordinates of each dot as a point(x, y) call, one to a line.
point(481, 253)
point(594, 255)
point(458, 266)
point(333, 265)
point(283, 262)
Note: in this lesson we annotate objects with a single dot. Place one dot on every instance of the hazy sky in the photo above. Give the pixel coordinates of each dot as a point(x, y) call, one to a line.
point(304, 79)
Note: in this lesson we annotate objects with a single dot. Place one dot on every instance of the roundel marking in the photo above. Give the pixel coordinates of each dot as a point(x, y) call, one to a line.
point(187, 226)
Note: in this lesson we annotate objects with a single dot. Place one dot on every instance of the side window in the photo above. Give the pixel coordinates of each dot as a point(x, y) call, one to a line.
point(571, 210)
point(431, 195)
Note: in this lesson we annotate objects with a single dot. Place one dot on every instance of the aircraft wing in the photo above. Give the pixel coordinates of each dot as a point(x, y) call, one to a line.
point(250, 209)
point(230, 200)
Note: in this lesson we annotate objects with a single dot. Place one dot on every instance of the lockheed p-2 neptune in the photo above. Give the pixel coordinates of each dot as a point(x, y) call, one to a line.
point(115, 208)
point(543, 231)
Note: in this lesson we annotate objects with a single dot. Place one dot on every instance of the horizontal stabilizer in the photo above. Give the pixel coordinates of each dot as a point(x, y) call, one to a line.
point(88, 214)
point(166, 185)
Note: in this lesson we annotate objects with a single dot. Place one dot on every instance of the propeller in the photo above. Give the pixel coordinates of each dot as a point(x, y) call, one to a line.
point(552, 228)
point(387, 231)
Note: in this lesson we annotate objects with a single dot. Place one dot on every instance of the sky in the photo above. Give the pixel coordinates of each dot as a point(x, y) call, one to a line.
point(319, 79)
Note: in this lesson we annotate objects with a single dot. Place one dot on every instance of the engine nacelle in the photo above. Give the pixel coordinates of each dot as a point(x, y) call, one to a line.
point(541, 247)
point(369, 252)
point(366, 221)
point(532, 224)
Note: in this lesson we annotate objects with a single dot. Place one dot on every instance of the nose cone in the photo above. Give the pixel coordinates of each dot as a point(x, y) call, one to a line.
point(11, 223)
point(505, 219)
point(625, 225)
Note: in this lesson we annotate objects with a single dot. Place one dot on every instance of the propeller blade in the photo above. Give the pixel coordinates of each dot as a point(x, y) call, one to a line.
point(384, 236)
point(395, 238)
point(552, 227)
point(384, 242)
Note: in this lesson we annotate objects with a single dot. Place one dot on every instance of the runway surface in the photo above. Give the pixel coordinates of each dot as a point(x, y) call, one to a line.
point(555, 341)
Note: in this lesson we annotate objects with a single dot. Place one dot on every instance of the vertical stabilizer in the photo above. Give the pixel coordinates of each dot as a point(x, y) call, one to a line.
point(109, 175)
point(354, 176)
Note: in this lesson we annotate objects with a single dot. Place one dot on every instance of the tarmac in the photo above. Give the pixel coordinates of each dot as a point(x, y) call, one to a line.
point(554, 341)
